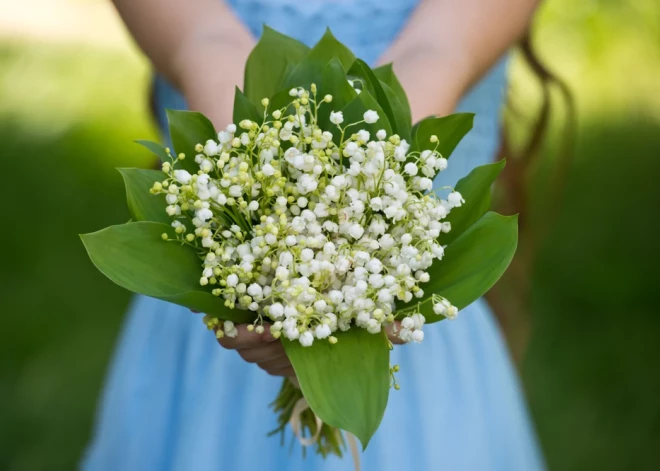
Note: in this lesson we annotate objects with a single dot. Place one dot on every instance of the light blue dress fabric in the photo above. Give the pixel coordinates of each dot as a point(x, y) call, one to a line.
point(175, 400)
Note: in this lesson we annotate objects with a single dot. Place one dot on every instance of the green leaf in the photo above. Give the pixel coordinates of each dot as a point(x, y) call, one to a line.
point(473, 262)
point(310, 70)
point(347, 384)
point(143, 205)
point(156, 148)
point(403, 126)
point(361, 70)
point(476, 190)
point(386, 74)
point(187, 129)
point(329, 47)
point(449, 129)
point(245, 109)
point(135, 257)
point(336, 84)
point(269, 62)
point(354, 112)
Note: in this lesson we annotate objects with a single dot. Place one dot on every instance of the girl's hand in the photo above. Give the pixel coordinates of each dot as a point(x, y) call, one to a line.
point(267, 352)
point(263, 349)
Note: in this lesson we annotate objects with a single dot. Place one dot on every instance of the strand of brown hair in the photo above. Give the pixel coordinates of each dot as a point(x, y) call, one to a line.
point(510, 298)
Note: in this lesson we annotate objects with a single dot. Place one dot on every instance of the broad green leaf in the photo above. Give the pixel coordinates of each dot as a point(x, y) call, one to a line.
point(354, 112)
point(336, 84)
point(403, 126)
point(187, 129)
point(449, 129)
point(361, 70)
point(156, 148)
point(143, 205)
point(476, 190)
point(386, 74)
point(346, 384)
point(473, 262)
point(310, 70)
point(329, 47)
point(135, 257)
point(245, 109)
point(287, 73)
point(268, 63)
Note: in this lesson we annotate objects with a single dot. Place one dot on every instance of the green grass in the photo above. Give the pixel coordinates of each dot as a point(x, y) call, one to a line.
point(591, 369)
point(60, 315)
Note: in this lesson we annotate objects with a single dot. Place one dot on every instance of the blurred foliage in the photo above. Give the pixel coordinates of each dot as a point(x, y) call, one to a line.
point(66, 120)
point(589, 369)
point(68, 114)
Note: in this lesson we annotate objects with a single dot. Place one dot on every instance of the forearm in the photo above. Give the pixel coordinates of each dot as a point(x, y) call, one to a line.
point(199, 45)
point(448, 45)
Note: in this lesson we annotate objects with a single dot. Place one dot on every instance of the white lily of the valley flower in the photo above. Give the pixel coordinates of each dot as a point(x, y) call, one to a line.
point(336, 117)
point(316, 235)
point(370, 116)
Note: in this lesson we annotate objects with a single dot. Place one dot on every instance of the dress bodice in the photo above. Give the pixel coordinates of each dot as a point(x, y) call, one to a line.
point(367, 27)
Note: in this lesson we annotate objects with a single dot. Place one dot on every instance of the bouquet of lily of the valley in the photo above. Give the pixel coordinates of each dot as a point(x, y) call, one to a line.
point(313, 215)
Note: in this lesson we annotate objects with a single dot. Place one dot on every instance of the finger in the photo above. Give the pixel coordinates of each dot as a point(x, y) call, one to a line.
point(275, 363)
point(285, 372)
point(246, 339)
point(392, 335)
point(262, 353)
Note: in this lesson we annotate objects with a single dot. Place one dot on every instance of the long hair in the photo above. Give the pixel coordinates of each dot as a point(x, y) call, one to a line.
point(510, 297)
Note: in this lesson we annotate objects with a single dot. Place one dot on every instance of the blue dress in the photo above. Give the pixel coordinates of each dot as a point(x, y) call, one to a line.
point(175, 400)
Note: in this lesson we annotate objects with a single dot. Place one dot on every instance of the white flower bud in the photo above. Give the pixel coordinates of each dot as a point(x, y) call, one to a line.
point(211, 148)
point(439, 308)
point(455, 199)
point(370, 116)
point(230, 329)
point(322, 331)
point(356, 231)
point(306, 339)
point(268, 170)
point(232, 280)
point(306, 255)
point(363, 135)
point(411, 169)
point(417, 336)
point(182, 176)
point(336, 117)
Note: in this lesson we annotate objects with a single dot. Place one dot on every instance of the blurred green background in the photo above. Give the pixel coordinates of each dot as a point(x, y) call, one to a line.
point(73, 97)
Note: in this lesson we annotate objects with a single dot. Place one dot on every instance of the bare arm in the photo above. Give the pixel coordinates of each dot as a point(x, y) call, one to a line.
point(447, 46)
point(199, 45)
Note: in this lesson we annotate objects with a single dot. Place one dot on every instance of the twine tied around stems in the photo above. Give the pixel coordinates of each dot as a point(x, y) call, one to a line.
point(296, 425)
